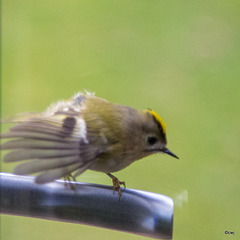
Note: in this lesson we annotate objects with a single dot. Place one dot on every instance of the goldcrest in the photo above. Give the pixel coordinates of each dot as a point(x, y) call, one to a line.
point(86, 132)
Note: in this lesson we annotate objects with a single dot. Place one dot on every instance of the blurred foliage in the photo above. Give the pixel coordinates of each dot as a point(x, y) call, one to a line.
point(180, 58)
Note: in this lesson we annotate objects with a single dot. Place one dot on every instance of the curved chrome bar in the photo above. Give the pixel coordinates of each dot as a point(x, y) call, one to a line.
point(138, 212)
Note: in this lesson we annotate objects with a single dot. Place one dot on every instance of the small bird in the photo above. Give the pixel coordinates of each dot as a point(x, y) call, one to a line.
point(85, 132)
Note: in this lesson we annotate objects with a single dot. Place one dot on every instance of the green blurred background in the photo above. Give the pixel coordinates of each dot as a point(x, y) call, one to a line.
point(180, 58)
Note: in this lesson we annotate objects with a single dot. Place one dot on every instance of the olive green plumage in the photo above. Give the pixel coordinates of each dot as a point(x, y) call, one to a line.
point(83, 133)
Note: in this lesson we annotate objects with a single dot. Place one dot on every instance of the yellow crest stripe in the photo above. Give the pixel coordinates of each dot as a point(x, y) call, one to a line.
point(159, 120)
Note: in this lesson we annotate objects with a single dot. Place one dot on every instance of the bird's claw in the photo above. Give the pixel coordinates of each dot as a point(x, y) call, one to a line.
point(117, 185)
point(68, 181)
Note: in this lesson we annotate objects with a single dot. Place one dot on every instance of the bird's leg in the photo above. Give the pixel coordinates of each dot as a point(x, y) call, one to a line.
point(116, 185)
point(68, 179)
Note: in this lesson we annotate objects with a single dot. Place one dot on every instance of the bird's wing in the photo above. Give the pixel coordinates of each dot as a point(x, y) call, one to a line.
point(54, 145)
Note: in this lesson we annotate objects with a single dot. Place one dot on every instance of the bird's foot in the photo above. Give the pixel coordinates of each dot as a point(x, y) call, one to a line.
point(117, 185)
point(68, 181)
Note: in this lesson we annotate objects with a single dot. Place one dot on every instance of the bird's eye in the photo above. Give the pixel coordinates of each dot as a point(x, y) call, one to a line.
point(151, 140)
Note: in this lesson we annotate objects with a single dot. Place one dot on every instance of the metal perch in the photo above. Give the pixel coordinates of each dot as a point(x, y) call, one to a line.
point(138, 212)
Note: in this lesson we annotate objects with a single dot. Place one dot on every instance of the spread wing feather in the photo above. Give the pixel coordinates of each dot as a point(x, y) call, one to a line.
point(51, 175)
point(34, 135)
point(45, 164)
point(54, 145)
point(24, 154)
point(38, 144)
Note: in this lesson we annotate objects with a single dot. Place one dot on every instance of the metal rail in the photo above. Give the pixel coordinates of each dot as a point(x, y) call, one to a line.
point(138, 212)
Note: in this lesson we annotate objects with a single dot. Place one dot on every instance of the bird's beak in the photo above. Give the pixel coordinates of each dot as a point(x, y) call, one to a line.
point(167, 151)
